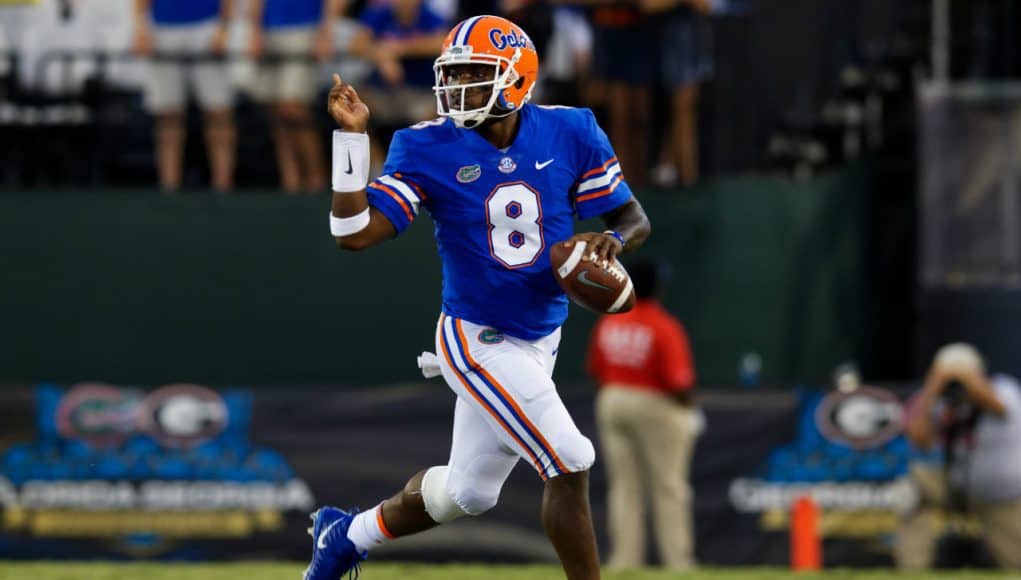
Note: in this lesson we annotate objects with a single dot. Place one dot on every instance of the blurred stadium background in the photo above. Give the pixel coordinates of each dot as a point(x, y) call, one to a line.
point(184, 376)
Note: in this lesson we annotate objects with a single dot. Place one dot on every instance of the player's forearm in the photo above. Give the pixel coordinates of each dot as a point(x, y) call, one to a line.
point(631, 223)
point(353, 223)
point(350, 217)
point(350, 205)
point(984, 397)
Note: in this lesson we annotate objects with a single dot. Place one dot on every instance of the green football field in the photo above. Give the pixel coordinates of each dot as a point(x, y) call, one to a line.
point(278, 571)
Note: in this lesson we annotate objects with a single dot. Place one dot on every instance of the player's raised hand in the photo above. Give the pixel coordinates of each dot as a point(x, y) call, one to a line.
point(346, 108)
point(602, 248)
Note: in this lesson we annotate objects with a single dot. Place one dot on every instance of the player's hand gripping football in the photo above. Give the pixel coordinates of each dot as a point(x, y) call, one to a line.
point(602, 248)
point(346, 108)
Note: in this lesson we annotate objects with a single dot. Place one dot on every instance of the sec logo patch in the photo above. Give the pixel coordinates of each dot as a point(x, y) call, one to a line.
point(507, 165)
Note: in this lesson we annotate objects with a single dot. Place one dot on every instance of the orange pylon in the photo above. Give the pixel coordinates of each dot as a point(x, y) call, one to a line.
point(806, 546)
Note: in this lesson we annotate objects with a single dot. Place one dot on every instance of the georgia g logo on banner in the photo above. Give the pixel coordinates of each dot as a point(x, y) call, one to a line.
point(178, 415)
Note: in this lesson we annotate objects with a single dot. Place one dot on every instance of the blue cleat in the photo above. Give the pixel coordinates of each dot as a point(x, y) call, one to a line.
point(332, 553)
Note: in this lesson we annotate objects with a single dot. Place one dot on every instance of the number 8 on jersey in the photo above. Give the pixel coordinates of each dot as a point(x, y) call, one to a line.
point(515, 225)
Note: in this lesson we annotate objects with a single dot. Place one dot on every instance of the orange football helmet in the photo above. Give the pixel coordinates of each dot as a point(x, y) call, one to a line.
point(490, 40)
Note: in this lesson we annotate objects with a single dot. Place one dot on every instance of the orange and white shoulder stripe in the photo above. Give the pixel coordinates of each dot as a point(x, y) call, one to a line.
point(408, 195)
point(600, 181)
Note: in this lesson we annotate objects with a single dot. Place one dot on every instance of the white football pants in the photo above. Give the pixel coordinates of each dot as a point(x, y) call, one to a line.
point(507, 407)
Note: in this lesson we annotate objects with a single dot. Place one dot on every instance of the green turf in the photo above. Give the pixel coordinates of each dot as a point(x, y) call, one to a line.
point(381, 571)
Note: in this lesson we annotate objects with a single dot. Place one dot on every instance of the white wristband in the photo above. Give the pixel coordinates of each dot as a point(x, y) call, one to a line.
point(341, 227)
point(350, 161)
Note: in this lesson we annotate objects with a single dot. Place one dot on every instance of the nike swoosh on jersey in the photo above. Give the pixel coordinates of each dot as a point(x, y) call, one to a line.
point(321, 542)
point(541, 166)
point(583, 278)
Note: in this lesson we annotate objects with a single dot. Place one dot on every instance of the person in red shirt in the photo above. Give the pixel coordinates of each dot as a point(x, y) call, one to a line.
point(647, 422)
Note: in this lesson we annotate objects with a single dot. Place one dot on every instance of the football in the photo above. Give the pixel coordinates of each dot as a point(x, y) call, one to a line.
point(604, 290)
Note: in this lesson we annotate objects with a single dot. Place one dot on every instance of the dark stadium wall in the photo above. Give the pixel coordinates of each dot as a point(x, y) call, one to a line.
point(782, 60)
point(984, 317)
point(136, 288)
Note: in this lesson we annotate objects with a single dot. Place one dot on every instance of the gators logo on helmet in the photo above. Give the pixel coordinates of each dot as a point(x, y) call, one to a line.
point(485, 40)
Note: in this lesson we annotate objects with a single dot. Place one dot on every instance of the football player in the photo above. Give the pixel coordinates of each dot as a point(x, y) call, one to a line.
point(503, 181)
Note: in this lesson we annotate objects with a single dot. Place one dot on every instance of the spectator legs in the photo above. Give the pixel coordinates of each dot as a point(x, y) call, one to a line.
point(683, 142)
point(284, 131)
point(170, 135)
point(917, 534)
point(1001, 525)
point(299, 153)
point(310, 155)
point(221, 146)
point(629, 125)
point(668, 439)
point(625, 501)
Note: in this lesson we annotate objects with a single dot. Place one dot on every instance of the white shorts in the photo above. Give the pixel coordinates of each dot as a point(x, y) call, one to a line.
point(507, 405)
point(169, 81)
point(400, 105)
point(295, 78)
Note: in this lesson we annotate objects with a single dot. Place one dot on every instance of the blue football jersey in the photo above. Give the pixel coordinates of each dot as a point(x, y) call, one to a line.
point(498, 212)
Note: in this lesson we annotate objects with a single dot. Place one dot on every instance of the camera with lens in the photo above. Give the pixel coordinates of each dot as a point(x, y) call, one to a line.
point(955, 397)
point(960, 422)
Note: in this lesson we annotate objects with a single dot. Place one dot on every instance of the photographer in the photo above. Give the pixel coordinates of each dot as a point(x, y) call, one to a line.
point(977, 420)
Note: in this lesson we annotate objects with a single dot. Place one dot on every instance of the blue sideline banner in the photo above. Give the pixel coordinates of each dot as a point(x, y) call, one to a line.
point(186, 471)
point(113, 471)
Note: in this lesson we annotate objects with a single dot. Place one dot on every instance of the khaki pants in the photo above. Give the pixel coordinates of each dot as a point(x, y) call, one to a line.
point(647, 443)
point(918, 531)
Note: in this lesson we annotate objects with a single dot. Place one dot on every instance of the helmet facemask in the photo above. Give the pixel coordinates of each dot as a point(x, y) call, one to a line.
point(451, 96)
